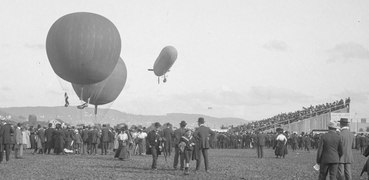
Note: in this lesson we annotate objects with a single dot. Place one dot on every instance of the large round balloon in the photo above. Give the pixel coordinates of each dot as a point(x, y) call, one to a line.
point(83, 47)
point(165, 60)
point(105, 91)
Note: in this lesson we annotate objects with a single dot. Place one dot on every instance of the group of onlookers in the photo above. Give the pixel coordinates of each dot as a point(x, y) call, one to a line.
point(334, 149)
point(246, 140)
point(18, 138)
point(188, 144)
point(66, 139)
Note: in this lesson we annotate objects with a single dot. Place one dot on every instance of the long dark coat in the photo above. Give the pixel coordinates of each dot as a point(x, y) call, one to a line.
point(93, 137)
point(59, 141)
point(49, 137)
point(105, 134)
point(154, 139)
point(6, 131)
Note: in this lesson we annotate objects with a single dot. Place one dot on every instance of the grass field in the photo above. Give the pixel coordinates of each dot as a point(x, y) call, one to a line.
point(224, 164)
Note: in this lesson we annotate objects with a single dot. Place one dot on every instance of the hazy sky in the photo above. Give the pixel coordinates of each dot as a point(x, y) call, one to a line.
point(246, 59)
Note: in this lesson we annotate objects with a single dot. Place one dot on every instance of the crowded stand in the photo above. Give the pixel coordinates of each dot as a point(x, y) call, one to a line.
point(305, 112)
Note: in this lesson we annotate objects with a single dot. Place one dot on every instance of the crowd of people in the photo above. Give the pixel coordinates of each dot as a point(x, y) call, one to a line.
point(305, 112)
point(188, 144)
point(121, 141)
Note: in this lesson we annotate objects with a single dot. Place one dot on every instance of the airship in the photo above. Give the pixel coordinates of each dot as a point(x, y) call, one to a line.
point(164, 62)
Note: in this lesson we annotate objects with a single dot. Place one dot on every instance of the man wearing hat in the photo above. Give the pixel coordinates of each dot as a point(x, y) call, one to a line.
point(49, 132)
point(104, 139)
point(347, 138)
point(178, 133)
point(329, 152)
point(202, 134)
point(154, 139)
point(5, 133)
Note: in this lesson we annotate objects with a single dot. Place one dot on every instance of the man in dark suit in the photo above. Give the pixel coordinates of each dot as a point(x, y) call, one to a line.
point(93, 137)
point(104, 139)
point(168, 133)
point(329, 151)
point(85, 146)
point(347, 138)
point(59, 139)
point(178, 133)
point(5, 132)
point(69, 137)
point(294, 141)
point(154, 139)
point(49, 138)
point(260, 143)
point(203, 134)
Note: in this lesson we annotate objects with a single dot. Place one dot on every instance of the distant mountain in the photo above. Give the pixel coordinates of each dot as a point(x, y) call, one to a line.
point(74, 116)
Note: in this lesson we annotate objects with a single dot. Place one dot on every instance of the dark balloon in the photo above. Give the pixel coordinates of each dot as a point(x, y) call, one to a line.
point(165, 60)
point(83, 48)
point(105, 91)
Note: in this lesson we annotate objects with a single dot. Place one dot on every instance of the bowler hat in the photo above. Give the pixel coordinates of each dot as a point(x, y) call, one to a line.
point(332, 125)
point(279, 130)
point(343, 121)
point(201, 120)
point(183, 123)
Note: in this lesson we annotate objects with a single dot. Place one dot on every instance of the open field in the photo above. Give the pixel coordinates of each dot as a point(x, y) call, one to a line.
point(225, 164)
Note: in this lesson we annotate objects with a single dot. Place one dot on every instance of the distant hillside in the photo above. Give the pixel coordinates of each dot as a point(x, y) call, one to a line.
point(74, 116)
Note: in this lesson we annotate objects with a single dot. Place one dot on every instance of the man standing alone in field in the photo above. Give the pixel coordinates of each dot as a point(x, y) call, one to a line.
point(260, 143)
point(202, 134)
point(329, 153)
point(347, 138)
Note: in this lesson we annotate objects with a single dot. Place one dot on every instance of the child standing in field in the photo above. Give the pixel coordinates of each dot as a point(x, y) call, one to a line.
point(186, 144)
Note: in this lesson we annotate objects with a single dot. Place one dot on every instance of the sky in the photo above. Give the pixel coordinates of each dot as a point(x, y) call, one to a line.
point(249, 59)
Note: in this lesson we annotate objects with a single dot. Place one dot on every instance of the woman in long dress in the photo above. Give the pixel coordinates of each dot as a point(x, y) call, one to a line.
point(280, 144)
point(122, 152)
point(26, 137)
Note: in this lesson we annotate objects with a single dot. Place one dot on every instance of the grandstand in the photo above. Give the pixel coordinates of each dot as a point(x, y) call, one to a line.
point(312, 123)
point(304, 120)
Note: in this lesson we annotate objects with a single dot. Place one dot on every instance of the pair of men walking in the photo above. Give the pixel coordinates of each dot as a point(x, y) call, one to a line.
point(335, 152)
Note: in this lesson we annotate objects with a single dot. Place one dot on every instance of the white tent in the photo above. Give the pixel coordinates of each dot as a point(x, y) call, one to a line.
point(54, 122)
